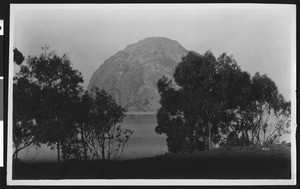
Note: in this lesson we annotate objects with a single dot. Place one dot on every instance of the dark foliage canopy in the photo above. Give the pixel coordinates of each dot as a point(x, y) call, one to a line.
point(50, 107)
point(204, 104)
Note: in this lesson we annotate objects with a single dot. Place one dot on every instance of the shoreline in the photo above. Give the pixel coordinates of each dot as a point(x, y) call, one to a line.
point(140, 113)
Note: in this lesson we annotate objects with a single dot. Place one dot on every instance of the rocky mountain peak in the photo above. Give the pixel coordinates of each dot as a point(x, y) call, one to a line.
point(131, 74)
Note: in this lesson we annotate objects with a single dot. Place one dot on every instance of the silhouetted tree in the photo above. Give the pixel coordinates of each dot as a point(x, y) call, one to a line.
point(25, 107)
point(170, 116)
point(282, 122)
point(80, 147)
point(98, 134)
point(203, 105)
point(24, 110)
point(58, 85)
point(257, 109)
point(105, 137)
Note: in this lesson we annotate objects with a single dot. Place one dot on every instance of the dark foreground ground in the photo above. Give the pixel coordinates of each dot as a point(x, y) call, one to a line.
point(222, 163)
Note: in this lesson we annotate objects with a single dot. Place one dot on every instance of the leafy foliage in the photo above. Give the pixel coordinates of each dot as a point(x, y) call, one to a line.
point(25, 109)
point(257, 110)
point(214, 102)
point(100, 136)
point(51, 108)
point(201, 108)
point(56, 88)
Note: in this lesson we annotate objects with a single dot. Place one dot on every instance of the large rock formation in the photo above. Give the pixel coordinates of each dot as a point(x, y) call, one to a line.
point(131, 74)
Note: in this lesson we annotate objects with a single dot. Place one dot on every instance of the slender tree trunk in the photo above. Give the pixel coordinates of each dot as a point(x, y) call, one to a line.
point(209, 135)
point(108, 153)
point(252, 136)
point(103, 150)
point(264, 136)
point(246, 134)
point(209, 127)
point(257, 136)
point(191, 142)
point(83, 145)
point(103, 147)
point(58, 152)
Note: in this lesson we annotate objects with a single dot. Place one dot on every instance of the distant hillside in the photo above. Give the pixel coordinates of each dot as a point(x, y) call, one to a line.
point(131, 74)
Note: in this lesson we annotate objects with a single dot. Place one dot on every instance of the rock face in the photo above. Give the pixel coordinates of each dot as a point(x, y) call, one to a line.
point(131, 74)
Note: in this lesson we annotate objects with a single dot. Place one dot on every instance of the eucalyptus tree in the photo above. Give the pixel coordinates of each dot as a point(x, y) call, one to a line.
point(263, 115)
point(58, 88)
point(194, 115)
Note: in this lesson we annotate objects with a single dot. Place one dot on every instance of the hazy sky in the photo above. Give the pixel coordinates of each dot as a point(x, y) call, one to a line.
point(260, 37)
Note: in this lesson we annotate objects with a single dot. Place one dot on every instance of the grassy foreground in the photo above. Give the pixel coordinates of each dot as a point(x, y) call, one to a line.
point(260, 162)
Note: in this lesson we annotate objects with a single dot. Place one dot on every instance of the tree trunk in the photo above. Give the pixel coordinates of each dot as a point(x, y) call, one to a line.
point(264, 136)
point(108, 153)
point(83, 145)
point(209, 135)
point(58, 152)
point(257, 136)
point(103, 147)
point(246, 134)
point(103, 150)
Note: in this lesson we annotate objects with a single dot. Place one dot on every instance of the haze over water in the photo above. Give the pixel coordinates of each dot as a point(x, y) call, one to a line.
point(144, 142)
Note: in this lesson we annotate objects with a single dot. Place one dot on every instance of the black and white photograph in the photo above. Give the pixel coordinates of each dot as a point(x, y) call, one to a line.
point(152, 94)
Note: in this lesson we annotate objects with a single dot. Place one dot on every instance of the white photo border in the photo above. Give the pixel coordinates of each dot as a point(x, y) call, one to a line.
point(163, 182)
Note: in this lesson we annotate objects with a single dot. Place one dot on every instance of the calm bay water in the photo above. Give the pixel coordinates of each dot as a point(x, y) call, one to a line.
point(144, 142)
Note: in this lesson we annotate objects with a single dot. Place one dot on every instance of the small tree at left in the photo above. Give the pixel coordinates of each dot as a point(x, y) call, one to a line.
point(53, 87)
point(25, 105)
